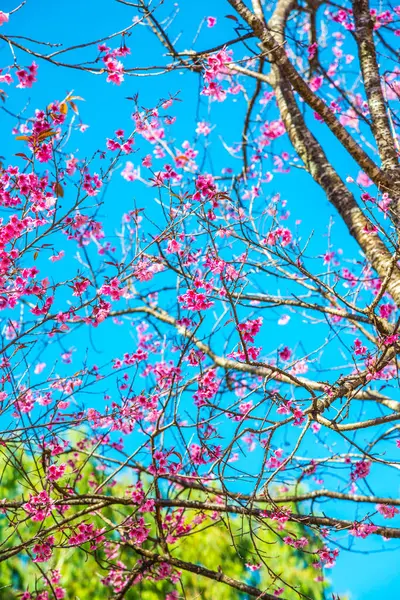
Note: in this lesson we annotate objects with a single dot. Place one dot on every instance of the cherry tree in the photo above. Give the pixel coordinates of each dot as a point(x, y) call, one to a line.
point(223, 354)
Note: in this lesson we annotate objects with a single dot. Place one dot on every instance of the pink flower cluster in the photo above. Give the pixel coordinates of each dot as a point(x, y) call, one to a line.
point(271, 130)
point(285, 354)
point(359, 348)
point(299, 543)
point(208, 387)
point(130, 359)
point(250, 328)
point(363, 530)
point(43, 550)
point(125, 147)
point(361, 470)
point(40, 506)
point(327, 557)
point(92, 184)
point(388, 512)
point(290, 407)
point(216, 64)
point(27, 77)
point(55, 472)
point(162, 464)
point(274, 461)
point(281, 514)
point(113, 289)
point(114, 67)
point(280, 235)
point(192, 300)
point(174, 525)
point(215, 68)
point(86, 532)
point(4, 17)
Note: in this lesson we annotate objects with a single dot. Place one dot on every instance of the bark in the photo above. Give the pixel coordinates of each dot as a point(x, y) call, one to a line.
point(372, 84)
point(284, 80)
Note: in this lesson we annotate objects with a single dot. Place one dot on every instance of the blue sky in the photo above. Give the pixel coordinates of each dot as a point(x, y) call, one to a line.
point(366, 576)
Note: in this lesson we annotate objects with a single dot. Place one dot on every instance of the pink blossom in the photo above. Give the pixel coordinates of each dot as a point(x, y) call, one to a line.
point(350, 119)
point(250, 328)
point(203, 128)
point(192, 300)
point(273, 129)
point(387, 511)
point(281, 234)
point(113, 145)
point(390, 340)
point(274, 462)
point(285, 354)
point(44, 153)
point(66, 357)
point(173, 247)
point(281, 515)
point(40, 506)
point(54, 472)
point(361, 470)
point(92, 184)
point(299, 416)
point(115, 70)
point(214, 91)
point(363, 530)
point(327, 557)
point(284, 320)
point(386, 310)
point(80, 287)
point(359, 348)
point(129, 173)
point(284, 408)
point(113, 289)
point(39, 368)
point(27, 77)
point(312, 50)
point(208, 385)
point(316, 83)
point(147, 161)
point(4, 17)
point(57, 257)
point(364, 180)
point(6, 78)
point(253, 567)
point(215, 64)
point(296, 543)
point(43, 550)
point(198, 455)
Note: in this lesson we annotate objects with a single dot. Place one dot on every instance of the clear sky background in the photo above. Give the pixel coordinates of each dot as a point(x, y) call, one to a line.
point(367, 576)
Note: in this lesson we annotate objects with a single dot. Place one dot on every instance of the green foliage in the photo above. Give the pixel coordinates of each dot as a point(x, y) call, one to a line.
point(224, 544)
